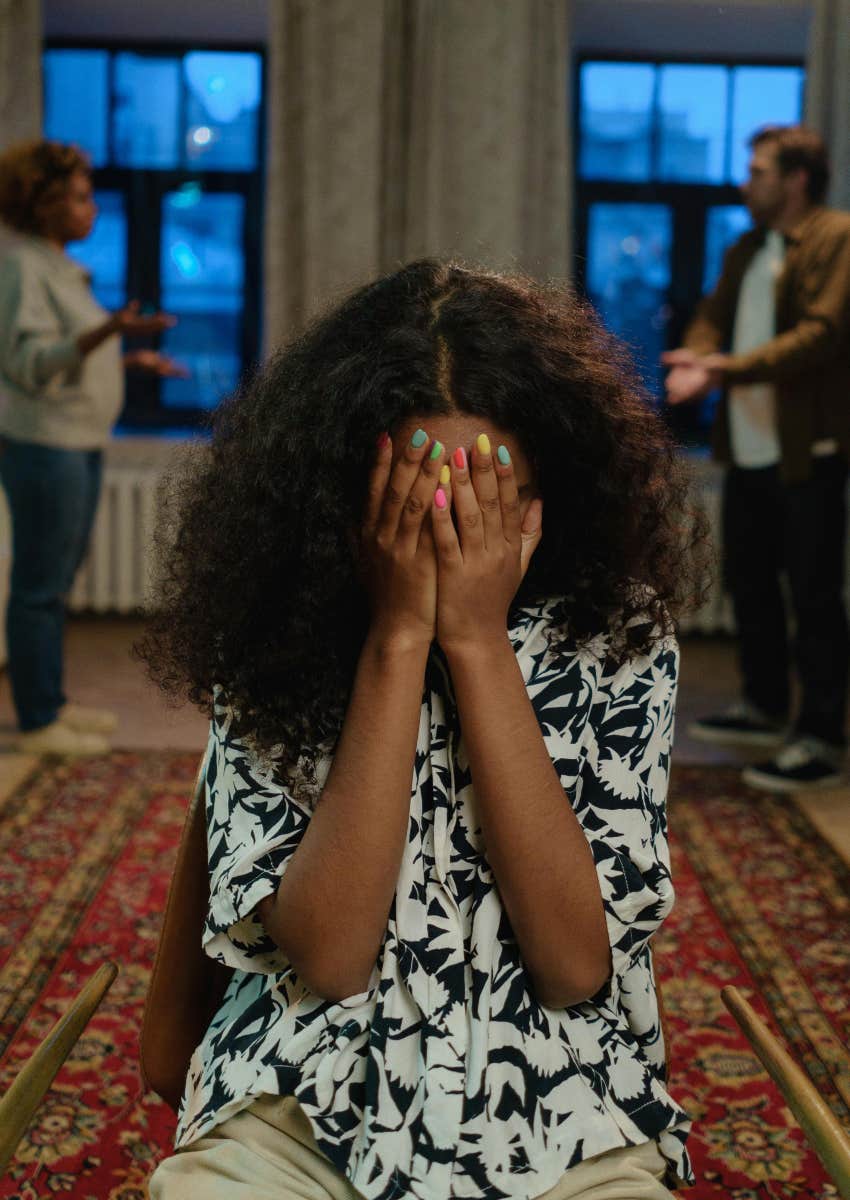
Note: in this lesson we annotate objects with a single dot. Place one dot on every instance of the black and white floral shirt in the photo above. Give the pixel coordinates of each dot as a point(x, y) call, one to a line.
point(447, 1077)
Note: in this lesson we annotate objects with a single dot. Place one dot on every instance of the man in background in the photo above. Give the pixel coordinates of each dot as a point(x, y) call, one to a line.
point(775, 336)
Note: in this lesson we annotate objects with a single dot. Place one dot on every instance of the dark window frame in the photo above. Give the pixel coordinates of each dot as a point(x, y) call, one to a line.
point(689, 204)
point(144, 189)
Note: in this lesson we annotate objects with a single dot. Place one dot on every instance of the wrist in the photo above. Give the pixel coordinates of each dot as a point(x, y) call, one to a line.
point(397, 641)
point(478, 647)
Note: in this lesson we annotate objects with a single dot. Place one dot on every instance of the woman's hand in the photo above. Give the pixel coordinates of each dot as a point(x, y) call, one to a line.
point(128, 320)
point(481, 565)
point(398, 563)
point(156, 364)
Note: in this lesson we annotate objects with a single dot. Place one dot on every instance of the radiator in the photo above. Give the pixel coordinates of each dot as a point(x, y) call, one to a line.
point(115, 576)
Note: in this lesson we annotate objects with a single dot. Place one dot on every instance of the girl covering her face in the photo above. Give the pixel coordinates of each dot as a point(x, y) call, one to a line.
point(423, 582)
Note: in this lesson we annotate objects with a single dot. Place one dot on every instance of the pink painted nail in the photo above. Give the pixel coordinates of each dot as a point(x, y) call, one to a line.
point(440, 498)
point(383, 439)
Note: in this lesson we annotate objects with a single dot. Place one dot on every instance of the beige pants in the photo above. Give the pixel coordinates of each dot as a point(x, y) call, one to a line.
point(267, 1152)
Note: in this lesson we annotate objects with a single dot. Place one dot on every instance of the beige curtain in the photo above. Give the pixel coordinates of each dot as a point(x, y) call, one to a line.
point(828, 89)
point(20, 70)
point(399, 128)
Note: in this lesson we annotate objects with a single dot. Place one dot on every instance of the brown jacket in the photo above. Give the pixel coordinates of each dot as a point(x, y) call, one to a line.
point(808, 360)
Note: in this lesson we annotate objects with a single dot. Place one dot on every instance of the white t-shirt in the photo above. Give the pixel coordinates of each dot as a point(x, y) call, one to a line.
point(752, 406)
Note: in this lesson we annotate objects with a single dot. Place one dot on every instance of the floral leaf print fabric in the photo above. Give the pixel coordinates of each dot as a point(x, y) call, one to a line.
point(447, 1076)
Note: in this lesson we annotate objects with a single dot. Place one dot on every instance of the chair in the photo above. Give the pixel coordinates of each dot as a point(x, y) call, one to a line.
point(828, 1138)
point(186, 986)
point(18, 1106)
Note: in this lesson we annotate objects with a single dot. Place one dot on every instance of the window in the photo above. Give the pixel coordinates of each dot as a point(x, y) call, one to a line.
point(175, 141)
point(661, 150)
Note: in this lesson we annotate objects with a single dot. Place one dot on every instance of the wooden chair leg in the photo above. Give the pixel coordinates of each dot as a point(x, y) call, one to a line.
point(18, 1106)
point(827, 1136)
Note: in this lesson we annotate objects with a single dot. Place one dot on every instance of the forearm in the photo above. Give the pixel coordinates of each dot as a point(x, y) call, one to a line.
point(330, 912)
point(86, 342)
point(807, 346)
point(534, 842)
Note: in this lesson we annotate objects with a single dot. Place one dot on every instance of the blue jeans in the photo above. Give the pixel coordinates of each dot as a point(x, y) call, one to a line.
point(53, 497)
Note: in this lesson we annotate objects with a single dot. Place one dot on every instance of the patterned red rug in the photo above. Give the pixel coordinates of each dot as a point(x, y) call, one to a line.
point(763, 903)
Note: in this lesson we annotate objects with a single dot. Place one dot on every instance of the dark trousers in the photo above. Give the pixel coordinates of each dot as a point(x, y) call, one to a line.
point(52, 497)
point(799, 528)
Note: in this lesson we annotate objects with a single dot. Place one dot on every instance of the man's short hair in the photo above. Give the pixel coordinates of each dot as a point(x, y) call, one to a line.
point(798, 146)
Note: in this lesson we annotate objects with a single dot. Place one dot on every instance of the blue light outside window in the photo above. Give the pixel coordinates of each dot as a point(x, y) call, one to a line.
point(704, 117)
point(762, 96)
point(616, 120)
point(628, 275)
point(147, 99)
point(724, 224)
point(202, 271)
point(104, 251)
point(76, 100)
point(222, 109)
point(692, 123)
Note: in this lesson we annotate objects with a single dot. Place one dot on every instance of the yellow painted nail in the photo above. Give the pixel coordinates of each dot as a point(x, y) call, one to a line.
point(445, 474)
point(483, 444)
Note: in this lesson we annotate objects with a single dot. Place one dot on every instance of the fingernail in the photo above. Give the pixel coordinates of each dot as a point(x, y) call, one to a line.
point(483, 443)
point(419, 438)
point(445, 474)
point(460, 458)
point(383, 439)
point(440, 498)
point(503, 456)
point(436, 450)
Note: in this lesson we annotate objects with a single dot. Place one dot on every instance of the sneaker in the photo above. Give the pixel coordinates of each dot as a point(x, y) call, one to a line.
point(57, 738)
point(742, 725)
point(804, 764)
point(87, 720)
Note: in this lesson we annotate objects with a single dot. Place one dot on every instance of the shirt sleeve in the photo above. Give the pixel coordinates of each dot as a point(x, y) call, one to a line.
point(33, 345)
point(254, 826)
point(620, 800)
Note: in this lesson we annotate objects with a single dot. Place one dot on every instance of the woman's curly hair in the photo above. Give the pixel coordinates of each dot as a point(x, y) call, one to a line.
point(33, 176)
point(258, 587)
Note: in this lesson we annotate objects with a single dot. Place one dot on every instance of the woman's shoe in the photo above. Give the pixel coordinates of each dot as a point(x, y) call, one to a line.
point(87, 720)
point(57, 738)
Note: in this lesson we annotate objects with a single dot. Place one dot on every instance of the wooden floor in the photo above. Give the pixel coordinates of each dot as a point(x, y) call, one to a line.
point(101, 672)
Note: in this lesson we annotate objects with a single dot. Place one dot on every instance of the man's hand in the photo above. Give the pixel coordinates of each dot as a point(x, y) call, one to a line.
point(692, 375)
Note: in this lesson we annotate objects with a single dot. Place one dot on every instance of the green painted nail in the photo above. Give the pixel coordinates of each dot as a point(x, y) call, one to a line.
point(419, 438)
point(503, 456)
point(436, 450)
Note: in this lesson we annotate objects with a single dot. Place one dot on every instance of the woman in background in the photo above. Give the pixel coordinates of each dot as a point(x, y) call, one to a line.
point(62, 388)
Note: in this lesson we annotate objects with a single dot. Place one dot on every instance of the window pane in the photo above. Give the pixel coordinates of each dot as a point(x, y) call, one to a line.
point(628, 276)
point(104, 251)
point(222, 103)
point(692, 118)
point(616, 116)
point(76, 99)
point(202, 271)
point(762, 96)
point(147, 94)
point(724, 224)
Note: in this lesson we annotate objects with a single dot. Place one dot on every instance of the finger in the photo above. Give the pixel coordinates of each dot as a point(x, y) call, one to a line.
point(469, 520)
point(678, 358)
point(486, 487)
point(402, 477)
point(378, 477)
point(446, 544)
point(508, 497)
point(420, 499)
point(531, 533)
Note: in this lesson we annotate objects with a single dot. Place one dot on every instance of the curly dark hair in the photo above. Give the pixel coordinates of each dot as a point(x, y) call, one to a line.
point(34, 175)
point(258, 587)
